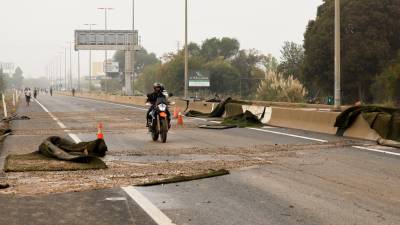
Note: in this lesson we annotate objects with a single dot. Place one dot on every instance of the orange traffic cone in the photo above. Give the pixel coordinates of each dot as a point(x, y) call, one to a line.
point(176, 112)
point(100, 134)
point(180, 119)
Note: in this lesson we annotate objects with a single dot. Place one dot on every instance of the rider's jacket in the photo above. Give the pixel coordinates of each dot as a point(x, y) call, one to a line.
point(152, 97)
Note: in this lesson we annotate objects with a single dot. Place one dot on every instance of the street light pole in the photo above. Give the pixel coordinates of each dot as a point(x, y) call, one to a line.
point(60, 72)
point(70, 65)
point(186, 51)
point(337, 56)
point(90, 57)
point(133, 50)
point(65, 68)
point(105, 27)
point(79, 72)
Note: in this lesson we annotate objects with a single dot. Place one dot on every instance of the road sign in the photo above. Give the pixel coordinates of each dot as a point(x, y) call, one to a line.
point(106, 40)
point(199, 79)
point(111, 67)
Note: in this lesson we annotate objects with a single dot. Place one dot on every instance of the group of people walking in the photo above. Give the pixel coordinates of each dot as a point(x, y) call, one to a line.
point(28, 94)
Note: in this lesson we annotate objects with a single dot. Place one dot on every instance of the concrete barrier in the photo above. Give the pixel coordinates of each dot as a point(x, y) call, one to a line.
point(319, 121)
point(302, 119)
point(233, 109)
point(361, 129)
point(259, 111)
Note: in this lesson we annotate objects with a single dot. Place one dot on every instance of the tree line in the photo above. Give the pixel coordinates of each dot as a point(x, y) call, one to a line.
point(370, 60)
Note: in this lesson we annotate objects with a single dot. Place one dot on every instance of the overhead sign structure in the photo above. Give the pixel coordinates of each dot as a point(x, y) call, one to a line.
point(198, 79)
point(111, 67)
point(106, 40)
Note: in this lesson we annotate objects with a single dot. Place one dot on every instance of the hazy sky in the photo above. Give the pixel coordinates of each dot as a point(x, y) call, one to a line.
point(33, 32)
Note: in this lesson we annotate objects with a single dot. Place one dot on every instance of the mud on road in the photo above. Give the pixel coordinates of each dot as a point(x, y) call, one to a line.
point(129, 166)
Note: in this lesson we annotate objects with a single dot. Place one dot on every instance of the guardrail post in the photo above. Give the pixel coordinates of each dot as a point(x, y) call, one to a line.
point(4, 106)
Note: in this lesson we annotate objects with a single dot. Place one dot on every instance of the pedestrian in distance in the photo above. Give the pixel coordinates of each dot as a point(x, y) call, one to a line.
point(73, 92)
point(51, 91)
point(28, 95)
point(35, 92)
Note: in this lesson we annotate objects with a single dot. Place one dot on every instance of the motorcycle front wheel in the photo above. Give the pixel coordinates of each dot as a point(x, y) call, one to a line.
point(154, 133)
point(163, 130)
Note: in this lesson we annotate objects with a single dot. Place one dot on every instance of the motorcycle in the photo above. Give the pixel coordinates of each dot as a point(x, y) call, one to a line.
point(159, 125)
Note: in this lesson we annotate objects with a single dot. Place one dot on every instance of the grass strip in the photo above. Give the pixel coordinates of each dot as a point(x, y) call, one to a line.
point(38, 162)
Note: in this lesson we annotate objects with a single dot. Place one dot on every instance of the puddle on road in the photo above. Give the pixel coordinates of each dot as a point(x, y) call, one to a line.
point(173, 158)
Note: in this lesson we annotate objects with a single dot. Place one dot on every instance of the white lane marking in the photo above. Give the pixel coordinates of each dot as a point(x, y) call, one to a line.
point(111, 103)
point(159, 217)
point(59, 123)
point(290, 135)
point(376, 150)
point(268, 127)
point(116, 199)
point(75, 138)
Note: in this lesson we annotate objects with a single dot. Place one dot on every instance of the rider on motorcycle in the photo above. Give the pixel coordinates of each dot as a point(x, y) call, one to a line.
point(159, 91)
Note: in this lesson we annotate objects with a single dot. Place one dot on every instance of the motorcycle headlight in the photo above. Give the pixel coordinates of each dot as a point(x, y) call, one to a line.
point(162, 107)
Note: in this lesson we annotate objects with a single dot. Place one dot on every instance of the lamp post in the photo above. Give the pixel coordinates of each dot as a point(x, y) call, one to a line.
point(90, 57)
point(79, 72)
point(133, 49)
point(186, 51)
point(65, 68)
point(70, 65)
point(337, 56)
point(105, 27)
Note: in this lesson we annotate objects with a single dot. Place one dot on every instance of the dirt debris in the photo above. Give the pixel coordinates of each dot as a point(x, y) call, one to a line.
point(125, 173)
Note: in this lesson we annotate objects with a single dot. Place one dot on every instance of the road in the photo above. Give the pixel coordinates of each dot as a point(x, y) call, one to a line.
point(278, 176)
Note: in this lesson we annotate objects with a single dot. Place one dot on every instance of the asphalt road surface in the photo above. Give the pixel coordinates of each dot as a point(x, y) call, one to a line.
point(355, 183)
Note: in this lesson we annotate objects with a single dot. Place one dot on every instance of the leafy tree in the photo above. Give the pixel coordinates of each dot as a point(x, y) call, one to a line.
point(386, 86)
point(214, 47)
point(270, 63)
point(370, 39)
point(229, 47)
point(146, 79)
point(194, 49)
point(291, 60)
point(17, 78)
point(224, 78)
point(142, 59)
point(248, 63)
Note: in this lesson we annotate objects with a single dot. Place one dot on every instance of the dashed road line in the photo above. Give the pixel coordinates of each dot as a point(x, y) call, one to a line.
point(289, 135)
point(74, 137)
point(376, 150)
point(155, 213)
